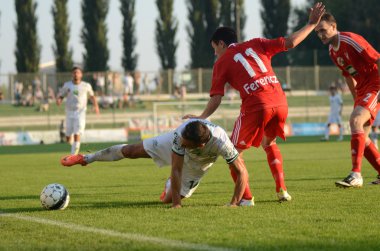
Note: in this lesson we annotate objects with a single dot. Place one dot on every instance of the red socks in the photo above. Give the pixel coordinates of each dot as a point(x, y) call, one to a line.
point(357, 150)
point(373, 156)
point(274, 158)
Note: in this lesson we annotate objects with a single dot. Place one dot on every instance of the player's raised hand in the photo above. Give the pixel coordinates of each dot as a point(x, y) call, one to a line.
point(97, 110)
point(316, 13)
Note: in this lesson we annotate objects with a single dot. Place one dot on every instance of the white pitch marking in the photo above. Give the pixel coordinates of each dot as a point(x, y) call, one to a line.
point(128, 236)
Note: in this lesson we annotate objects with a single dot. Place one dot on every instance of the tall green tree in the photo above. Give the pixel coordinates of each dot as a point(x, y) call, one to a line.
point(275, 16)
point(63, 54)
point(166, 30)
point(230, 13)
point(94, 35)
point(212, 22)
point(28, 48)
point(203, 20)
point(196, 31)
point(129, 59)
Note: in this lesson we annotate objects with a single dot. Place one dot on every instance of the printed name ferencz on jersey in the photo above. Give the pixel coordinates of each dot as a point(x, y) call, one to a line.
point(357, 58)
point(247, 68)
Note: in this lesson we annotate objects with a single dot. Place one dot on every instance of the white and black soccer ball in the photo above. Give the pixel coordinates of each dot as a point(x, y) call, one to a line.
point(55, 197)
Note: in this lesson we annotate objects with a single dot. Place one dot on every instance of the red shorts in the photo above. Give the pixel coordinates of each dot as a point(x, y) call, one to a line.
point(250, 127)
point(369, 102)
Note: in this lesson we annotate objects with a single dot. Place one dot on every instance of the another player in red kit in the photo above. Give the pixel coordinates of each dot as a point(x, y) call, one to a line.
point(360, 66)
point(247, 68)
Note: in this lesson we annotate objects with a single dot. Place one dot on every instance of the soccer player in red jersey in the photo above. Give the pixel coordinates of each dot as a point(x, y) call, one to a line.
point(247, 68)
point(360, 66)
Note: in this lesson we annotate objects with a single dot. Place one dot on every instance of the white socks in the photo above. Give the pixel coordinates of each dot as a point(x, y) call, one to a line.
point(327, 132)
point(75, 147)
point(112, 153)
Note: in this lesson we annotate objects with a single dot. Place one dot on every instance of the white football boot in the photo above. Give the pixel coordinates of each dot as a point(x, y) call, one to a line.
point(283, 196)
point(247, 203)
point(352, 180)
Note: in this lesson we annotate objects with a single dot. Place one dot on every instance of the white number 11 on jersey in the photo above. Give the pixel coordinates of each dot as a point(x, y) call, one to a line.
point(249, 52)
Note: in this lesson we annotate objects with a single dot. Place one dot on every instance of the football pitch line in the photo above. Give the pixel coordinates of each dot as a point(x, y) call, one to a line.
point(121, 235)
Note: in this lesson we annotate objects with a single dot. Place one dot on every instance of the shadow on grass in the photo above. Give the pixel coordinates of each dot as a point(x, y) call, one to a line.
point(21, 210)
point(20, 197)
point(120, 204)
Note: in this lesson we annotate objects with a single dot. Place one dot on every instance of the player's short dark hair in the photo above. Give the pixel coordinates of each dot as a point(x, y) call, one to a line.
point(196, 132)
point(76, 68)
point(225, 34)
point(328, 17)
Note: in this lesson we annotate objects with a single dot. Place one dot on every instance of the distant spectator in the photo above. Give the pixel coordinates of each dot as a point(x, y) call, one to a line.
point(100, 83)
point(128, 88)
point(137, 86)
point(28, 99)
point(18, 92)
point(145, 83)
point(1, 95)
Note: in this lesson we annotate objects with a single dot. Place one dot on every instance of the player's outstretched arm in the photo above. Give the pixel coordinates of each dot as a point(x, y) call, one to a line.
point(297, 37)
point(211, 107)
point(95, 103)
point(176, 177)
point(241, 181)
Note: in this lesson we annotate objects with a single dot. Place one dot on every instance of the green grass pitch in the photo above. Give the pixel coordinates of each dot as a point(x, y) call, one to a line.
point(115, 206)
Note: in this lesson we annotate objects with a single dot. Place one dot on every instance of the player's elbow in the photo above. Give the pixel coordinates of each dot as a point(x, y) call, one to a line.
point(290, 43)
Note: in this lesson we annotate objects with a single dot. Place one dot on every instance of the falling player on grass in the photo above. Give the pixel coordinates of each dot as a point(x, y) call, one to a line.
point(191, 150)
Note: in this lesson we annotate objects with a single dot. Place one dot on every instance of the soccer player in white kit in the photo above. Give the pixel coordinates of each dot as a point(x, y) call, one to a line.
point(374, 130)
point(76, 92)
point(336, 107)
point(191, 150)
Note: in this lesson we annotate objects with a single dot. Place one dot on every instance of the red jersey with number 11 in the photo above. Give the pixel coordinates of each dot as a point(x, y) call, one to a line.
point(247, 68)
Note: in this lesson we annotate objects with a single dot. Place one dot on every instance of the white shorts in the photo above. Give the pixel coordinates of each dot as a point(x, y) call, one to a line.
point(160, 149)
point(75, 122)
point(334, 119)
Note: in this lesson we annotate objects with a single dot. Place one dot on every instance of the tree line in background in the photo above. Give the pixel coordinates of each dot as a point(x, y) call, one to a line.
point(204, 16)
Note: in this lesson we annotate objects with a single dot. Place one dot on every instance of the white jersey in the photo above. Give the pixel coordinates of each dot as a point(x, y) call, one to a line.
point(203, 158)
point(76, 95)
point(336, 103)
point(196, 161)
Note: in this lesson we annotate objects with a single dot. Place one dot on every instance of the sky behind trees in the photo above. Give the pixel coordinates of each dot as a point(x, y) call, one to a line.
point(146, 14)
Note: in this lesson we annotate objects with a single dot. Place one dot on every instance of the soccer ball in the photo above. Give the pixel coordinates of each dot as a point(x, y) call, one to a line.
point(54, 197)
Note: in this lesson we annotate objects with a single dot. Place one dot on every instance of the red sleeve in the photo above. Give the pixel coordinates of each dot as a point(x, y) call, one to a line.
point(218, 79)
point(273, 46)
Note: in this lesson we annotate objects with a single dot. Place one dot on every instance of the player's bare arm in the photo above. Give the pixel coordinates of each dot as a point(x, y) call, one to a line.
point(241, 181)
point(176, 177)
point(351, 83)
point(211, 107)
point(297, 37)
point(95, 103)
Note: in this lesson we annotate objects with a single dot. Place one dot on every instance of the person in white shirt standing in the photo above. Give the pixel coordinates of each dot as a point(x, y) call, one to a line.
point(77, 93)
point(374, 130)
point(336, 108)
